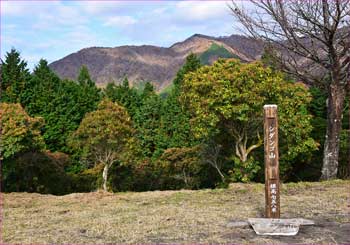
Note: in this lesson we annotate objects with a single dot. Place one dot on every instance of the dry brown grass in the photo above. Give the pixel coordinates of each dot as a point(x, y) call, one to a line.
point(174, 216)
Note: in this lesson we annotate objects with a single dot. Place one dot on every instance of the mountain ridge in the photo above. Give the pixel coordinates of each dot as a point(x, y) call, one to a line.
point(149, 62)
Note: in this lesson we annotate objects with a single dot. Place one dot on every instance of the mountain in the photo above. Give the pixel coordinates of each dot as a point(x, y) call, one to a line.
point(151, 63)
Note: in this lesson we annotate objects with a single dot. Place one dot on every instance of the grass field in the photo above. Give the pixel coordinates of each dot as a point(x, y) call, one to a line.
point(175, 216)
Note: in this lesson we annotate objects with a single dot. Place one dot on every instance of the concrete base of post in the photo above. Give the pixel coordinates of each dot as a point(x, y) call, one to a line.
point(278, 227)
point(272, 227)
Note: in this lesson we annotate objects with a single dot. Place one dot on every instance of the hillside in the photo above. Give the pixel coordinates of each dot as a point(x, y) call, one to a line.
point(150, 63)
point(185, 216)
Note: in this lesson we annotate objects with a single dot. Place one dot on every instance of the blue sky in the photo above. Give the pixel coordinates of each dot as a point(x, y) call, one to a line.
point(54, 29)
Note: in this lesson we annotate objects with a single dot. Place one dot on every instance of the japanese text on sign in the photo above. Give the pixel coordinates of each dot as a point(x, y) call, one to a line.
point(273, 191)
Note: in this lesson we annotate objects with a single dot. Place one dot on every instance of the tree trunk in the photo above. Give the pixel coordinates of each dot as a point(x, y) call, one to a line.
point(334, 119)
point(105, 176)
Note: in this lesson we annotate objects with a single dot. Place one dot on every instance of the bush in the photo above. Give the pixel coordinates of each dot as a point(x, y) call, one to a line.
point(87, 180)
point(180, 168)
point(41, 172)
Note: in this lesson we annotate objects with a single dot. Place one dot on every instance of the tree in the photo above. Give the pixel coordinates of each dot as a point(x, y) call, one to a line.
point(192, 63)
point(104, 135)
point(227, 99)
point(312, 43)
point(175, 121)
point(62, 103)
point(125, 95)
point(19, 131)
point(147, 122)
point(14, 77)
point(181, 168)
point(84, 77)
point(89, 95)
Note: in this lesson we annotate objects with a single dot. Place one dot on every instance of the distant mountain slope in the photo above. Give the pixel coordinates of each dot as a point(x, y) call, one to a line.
point(150, 63)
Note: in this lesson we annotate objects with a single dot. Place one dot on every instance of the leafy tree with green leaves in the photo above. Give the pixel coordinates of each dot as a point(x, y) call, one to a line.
point(14, 77)
point(227, 99)
point(105, 135)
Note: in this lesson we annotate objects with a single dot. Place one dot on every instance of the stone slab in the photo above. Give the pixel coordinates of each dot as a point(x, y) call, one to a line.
point(275, 227)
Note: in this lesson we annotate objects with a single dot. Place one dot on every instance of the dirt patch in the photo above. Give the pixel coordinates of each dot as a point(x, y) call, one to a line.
point(175, 216)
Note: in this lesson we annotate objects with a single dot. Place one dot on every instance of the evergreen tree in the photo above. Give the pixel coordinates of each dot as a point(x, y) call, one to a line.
point(175, 118)
point(147, 121)
point(124, 95)
point(14, 77)
point(62, 104)
point(192, 63)
point(84, 77)
point(89, 95)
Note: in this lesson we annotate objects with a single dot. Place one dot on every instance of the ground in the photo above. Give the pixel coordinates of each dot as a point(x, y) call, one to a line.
point(175, 216)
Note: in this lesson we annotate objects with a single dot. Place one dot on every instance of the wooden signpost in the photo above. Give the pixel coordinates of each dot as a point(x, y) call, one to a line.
point(272, 224)
point(272, 181)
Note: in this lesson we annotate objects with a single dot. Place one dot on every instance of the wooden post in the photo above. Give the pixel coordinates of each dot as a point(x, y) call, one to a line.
point(272, 180)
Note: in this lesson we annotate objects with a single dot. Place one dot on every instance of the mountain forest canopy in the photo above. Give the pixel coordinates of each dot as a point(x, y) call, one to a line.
point(67, 135)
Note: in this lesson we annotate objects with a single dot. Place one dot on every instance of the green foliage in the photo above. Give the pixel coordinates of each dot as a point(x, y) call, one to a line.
point(227, 99)
point(148, 121)
point(62, 104)
point(84, 77)
point(88, 95)
point(192, 63)
point(175, 121)
point(124, 95)
point(244, 171)
point(19, 132)
point(214, 52)
point(14, 77)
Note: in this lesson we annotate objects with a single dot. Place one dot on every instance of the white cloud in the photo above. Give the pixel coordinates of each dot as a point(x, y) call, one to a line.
point(201, 10)
point(120, 21)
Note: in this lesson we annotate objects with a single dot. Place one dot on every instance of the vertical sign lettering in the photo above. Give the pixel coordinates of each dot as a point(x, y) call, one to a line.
point(272, 186)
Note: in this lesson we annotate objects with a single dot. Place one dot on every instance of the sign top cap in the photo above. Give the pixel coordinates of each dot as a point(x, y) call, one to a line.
point(267, 106)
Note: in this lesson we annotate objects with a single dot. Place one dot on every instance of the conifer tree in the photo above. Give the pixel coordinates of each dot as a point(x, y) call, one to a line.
point(14, 77)
point(175, 118)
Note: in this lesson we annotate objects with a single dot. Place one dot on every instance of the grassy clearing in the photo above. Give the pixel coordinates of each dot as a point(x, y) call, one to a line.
point(174, 216)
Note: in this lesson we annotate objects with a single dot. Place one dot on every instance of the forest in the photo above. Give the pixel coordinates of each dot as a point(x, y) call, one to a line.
point(61, 136)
